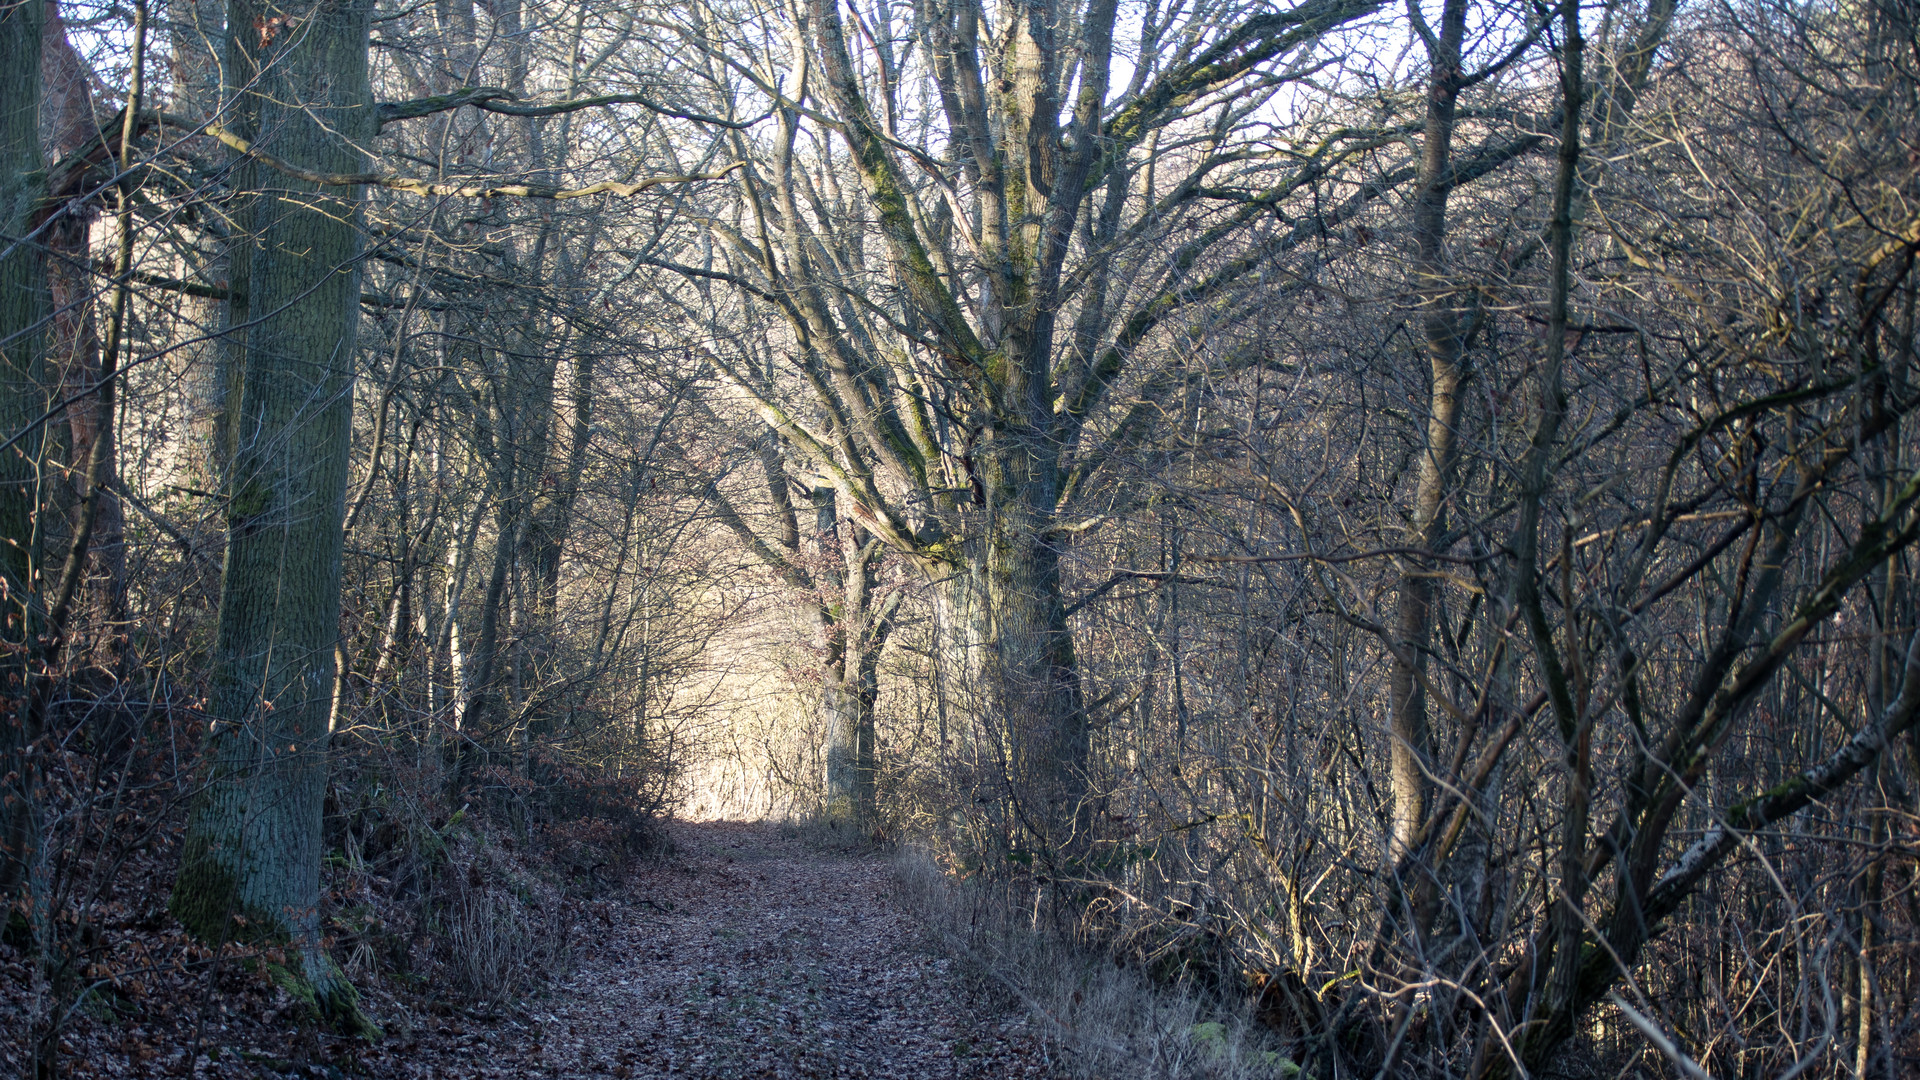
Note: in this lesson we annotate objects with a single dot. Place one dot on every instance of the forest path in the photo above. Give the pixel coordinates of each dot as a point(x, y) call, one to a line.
point(751, 953)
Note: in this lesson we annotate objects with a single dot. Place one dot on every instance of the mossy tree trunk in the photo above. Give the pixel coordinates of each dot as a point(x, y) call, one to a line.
point(252, 859)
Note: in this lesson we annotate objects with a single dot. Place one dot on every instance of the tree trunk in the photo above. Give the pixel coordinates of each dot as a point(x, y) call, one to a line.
point(96, 546)
point(1035, 680)
point(23, 309)
point(1005, 658)
point(850, 683)
point(251, 866)
point(1444, 330)
point(841, 716)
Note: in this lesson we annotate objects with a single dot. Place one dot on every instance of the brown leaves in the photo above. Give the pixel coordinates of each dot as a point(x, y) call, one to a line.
point(749, 956)
point(753, 956)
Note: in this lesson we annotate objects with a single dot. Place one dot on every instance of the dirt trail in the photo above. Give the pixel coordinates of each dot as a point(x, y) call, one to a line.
point(749, 954)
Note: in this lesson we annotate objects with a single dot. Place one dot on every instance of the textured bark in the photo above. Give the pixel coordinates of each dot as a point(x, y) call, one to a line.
point(251, 865)
point(856, 630)
point(1035, 679)
point(23, 310)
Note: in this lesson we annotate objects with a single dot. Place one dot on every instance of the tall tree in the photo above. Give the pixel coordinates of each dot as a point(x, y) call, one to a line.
point(251, 865)
point(954, 386)
point(23, 312)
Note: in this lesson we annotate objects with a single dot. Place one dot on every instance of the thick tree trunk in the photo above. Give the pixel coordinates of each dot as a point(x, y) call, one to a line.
point(23, 309)
point(844, 720)
point(1035, 678)
point(1005, 659)
point(251, 866)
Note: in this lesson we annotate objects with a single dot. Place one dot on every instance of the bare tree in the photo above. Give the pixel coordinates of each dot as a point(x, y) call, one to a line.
point(957, 326)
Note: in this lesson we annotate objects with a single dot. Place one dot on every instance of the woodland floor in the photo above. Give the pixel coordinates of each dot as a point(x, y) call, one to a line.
point(748, 953)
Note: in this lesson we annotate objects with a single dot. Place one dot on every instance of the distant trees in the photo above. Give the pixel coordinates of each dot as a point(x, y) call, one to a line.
point(831, 568)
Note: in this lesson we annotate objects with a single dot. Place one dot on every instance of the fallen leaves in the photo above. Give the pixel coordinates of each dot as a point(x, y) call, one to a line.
point(747, 955)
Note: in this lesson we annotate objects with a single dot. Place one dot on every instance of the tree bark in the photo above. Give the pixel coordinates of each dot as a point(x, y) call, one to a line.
point(195, 31)
point(23, 399)
point(251, 864)
point(1035, 680)
point(855, 634)
point(95, 565)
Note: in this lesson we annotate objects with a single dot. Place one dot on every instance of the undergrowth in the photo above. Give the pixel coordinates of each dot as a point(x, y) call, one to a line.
point(1103, 1019)
point(438, 898)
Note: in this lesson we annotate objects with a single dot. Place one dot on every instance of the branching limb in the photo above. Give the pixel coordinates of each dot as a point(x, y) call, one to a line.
point(467, 191)
point(496, 100)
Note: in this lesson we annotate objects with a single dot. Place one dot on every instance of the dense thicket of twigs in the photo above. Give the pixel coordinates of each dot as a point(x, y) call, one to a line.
point(1399, 516)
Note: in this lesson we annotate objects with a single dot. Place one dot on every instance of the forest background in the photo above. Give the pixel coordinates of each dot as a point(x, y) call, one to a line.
point(1400, 516)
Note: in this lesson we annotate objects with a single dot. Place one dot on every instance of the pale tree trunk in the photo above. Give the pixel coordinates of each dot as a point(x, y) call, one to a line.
point(23, 310)
point(67, 127)
point(251, 864)
point(836, 593)
point(961, 635)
